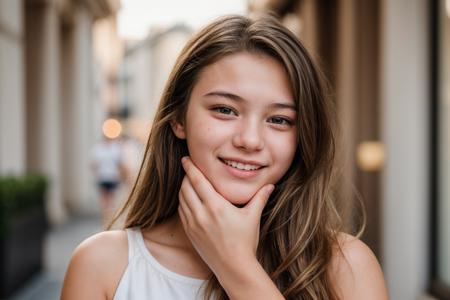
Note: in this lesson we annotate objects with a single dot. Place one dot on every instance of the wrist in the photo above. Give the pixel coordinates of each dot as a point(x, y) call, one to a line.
point(250, 281)
point(240, 272)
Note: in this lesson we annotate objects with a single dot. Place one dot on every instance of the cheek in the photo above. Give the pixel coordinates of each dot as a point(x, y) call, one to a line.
point(200, 137)
point(283, 156)
point(199, 124)
point(202, 140)
point(205, 134)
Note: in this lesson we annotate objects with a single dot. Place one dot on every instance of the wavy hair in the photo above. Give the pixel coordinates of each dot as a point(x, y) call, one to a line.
point(300, 223)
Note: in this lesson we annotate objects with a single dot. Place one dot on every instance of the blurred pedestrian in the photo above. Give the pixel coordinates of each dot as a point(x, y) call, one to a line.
point(108, 168)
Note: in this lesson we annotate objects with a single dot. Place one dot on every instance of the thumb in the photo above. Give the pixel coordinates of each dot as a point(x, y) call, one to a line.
point(260, 199)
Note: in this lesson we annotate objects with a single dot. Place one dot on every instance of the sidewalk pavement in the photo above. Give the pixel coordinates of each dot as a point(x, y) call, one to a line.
point(59, 245)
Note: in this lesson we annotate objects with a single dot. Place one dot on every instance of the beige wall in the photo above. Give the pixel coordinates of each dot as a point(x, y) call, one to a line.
point(46, 96)
point(43, 100)
point(165, 51)
point(12, 81)
point(146, 68)
point(405, 118)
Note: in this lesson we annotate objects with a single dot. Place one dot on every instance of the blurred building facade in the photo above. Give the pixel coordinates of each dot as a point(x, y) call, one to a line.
point(388, 65)
point(107, 54)
point(47, 95)
point(143, 74)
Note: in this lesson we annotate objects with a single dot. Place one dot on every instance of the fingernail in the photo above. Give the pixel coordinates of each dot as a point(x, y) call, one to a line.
point(270, 188)
point(184, 159)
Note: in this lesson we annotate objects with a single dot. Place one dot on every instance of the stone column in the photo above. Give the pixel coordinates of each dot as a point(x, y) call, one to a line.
point(78, 137)
point(43, 109)
point(12, 86)
point(309, 28)
point(405, 111)
point(347, 100)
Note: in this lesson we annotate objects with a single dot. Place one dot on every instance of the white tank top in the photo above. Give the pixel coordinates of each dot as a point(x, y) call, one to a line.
point(146, 279)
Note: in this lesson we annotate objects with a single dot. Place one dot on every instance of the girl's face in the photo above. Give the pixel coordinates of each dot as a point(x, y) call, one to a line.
point(240, 124)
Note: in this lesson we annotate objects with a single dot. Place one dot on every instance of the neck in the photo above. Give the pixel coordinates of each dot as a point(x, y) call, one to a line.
point(171, 232)
point(175, 232)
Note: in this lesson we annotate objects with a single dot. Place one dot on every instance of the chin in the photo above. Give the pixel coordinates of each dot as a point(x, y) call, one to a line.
point(237, 197)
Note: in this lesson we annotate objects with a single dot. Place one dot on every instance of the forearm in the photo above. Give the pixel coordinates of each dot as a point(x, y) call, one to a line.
point(248, 282)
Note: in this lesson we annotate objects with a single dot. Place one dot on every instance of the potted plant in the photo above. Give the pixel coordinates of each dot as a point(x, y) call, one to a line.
point(23, 225)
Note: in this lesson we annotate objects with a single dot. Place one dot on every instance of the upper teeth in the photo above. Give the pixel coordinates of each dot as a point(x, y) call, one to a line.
point(241, 166)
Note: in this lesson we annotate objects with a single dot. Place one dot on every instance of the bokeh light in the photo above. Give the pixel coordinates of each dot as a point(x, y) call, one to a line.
point(370, 156)
point(112, 128)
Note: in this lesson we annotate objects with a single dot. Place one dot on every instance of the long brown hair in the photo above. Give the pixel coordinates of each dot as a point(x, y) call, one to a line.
point(299, 225)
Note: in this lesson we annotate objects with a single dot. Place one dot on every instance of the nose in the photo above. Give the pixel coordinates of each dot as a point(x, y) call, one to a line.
point(248, 136)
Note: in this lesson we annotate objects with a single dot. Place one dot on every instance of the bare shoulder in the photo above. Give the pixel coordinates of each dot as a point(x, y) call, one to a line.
point(355, 272)
point(96, 266)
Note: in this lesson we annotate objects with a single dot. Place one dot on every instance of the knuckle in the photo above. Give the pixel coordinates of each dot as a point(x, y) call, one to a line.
point(201, 221)
point(195, 179)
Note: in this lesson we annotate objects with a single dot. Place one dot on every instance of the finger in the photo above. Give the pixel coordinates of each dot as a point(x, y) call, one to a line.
point(190, 196)
point(185, 208)
point(259, 200)
point(182, 218)
point(199, 182)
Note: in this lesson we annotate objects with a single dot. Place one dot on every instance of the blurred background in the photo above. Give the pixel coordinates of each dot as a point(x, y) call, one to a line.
point(77, 76)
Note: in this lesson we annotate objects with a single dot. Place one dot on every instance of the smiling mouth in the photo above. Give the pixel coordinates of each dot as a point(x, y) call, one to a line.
point(240, 166)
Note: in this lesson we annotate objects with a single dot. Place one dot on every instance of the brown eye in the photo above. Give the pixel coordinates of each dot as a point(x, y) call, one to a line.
point(280, 121)
point(224, 110)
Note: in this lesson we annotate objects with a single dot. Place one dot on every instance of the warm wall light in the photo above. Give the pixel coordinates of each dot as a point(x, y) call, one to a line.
point(112, 128)
point(370, 155)
point(447, 7)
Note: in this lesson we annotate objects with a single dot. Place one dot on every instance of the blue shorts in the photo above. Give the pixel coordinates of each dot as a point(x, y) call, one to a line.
point(108, 186)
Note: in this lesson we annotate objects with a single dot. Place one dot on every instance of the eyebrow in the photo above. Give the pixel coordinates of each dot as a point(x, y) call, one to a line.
point(237, 98)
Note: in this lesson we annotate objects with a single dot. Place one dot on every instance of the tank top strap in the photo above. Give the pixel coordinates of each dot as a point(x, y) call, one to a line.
point(133, 243)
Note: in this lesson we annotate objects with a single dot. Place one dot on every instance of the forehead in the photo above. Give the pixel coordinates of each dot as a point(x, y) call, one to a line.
point(249, 75)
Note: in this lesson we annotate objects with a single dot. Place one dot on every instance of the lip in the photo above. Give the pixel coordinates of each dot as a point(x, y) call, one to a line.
point(242, 161)
point(242, 174)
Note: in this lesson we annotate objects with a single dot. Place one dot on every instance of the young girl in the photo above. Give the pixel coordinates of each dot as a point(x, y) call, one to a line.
point(234, 197)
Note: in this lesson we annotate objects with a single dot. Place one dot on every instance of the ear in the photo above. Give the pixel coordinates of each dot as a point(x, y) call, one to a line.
point(178, 129)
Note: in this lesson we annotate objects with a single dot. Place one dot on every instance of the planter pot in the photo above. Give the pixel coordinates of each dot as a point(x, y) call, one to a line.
point(21, 249)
